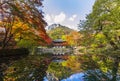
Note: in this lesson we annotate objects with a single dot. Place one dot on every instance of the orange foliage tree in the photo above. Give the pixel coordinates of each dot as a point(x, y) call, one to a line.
point(73, 38)
point(21, 15)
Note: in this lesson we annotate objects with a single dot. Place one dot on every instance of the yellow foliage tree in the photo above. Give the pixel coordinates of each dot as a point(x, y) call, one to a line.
point(73, 38)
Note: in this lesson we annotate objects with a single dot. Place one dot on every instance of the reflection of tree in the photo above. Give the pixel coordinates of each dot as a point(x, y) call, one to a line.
point(94, 66)
point(80, 63)
point(27, 69)
point(58, 70)
point(98, 75)
point(103, 72)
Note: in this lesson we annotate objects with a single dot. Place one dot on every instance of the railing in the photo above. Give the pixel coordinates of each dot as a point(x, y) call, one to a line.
point(54, 51)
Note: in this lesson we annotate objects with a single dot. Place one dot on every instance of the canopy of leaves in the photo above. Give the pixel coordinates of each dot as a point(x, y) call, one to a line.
point(73, 38)
point(103, 24)
point(22, 18)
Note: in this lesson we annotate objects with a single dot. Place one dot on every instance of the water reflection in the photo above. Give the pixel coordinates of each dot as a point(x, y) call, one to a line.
point(45, 68)
point(58, 60)
point(56, 71)
point(73, 77)
point(95, 68)
point(30, 68)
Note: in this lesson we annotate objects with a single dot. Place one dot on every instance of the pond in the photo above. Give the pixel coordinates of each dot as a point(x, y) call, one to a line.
point(56, 66)
point(45, 68)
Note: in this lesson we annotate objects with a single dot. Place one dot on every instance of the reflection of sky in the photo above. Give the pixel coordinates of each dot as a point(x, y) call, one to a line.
point(74, 77)
point(45, 79)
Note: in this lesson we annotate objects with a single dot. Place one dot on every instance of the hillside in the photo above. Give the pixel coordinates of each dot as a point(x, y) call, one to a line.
point(56, 31)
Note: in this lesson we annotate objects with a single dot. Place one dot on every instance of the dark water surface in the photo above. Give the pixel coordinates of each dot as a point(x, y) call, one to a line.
point(45, 68)
point(34, 68)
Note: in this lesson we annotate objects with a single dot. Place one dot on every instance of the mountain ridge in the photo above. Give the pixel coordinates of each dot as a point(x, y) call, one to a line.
point(56, 31)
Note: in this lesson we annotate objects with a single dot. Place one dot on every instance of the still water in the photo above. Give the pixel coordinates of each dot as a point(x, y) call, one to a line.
point(73, 77)
point(37, 68)
point(45, 68)
point(69, 77)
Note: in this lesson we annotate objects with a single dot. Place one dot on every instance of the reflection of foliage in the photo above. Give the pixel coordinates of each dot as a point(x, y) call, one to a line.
point(80, 63)
point(96, 67)
point(88, 62)
point(72, 63)
point(58, 70)
point(104, 63)
point(103, 72)
point(27, 69)
point(97, 75)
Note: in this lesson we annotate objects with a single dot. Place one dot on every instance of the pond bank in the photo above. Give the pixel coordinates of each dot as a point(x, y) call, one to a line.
point(13, 52)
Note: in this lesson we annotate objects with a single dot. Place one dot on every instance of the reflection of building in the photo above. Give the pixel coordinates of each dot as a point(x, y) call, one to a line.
point(59, 43)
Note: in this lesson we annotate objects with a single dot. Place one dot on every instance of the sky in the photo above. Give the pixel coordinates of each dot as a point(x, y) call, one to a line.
point(66, 12)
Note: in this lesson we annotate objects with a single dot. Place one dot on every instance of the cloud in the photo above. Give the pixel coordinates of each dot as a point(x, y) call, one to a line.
point(73, 17)
point(48, 17)
point(72, 26)
point(62, 19)
point(58, 19)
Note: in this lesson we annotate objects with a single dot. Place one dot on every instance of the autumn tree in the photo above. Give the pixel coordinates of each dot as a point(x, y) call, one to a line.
point(73, 39)
point(24, 15)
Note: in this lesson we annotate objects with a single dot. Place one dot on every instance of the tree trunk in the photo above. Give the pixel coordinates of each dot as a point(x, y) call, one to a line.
point(115, 68)
point(6, 41)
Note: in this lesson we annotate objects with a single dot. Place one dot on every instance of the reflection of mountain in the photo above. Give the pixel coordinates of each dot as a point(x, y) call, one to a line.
point(56, 31)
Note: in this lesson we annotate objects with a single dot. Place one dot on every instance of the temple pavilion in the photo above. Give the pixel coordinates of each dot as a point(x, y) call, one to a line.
point(59, 43)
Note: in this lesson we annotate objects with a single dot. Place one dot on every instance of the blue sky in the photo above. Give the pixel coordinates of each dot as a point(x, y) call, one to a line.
point(66, 12)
